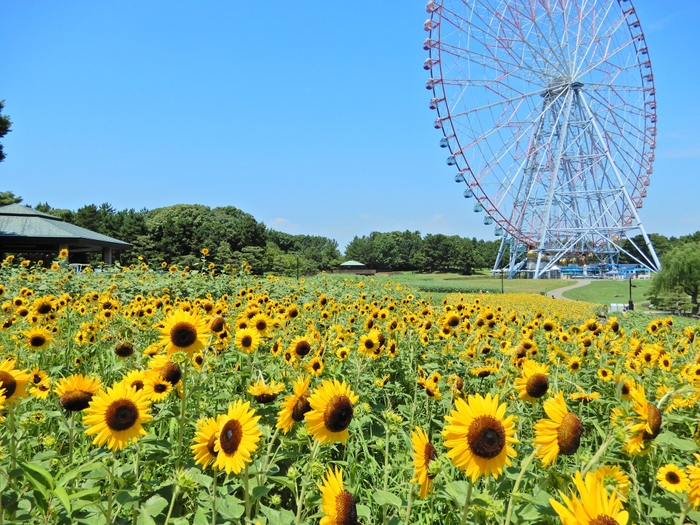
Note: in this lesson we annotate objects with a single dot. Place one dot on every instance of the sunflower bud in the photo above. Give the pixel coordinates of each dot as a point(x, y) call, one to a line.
point(184, 480)
point(317, 469)
point(178, 358)
point(434, 467)
point(275, 500)
point(293, 472)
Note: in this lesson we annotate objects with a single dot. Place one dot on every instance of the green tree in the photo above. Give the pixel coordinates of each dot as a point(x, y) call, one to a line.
point(680, 271)
point(5, 125)
point(7, 197)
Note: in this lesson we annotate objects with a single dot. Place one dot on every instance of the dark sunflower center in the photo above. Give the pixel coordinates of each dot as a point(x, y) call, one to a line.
point(44, 308)
point(124, 349)
point(486, 437)
point(217, 324)
point(183, 334)
point(301, 407)
point(9, 385)
point(316, 366)
point(625, 389)
point(537, 385)
point(138, 384)
point(261, 326)
point(246, 341)
point(265, 397)
point(122, 414)
point(338, 413)
point(76, 400)
point(36, 379)
point(211, 444)
point(171, 373)
point(569, 434)
point(673, 478)
point(603, 519)
point(37, 341)
point(345, 509)
point(160, 388)
point(230, 437)
point(430, 454)
point(302, 348)
point(654, 422)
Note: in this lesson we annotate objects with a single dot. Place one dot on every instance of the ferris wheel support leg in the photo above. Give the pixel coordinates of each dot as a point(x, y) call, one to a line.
point(628, 199)
point(501, 250)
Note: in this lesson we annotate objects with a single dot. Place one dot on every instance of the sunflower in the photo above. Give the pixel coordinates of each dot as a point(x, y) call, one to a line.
point(316, 366)
point(14, 382)
point(369, 343)
point(574, 364)
point(136, 379)
point(204, 441)
point(613, 476)
point(300, 347)
point(124, 349)
point(117, 415)
point(75, 392)
point(38, 338)
point(331, 412)
point(694, 482)
point(672, 478)
point(560, 434)
point(183, 332)
point(595, 506)
point(645, 426)
point(534, 382)
point(337, 504)
point(166, 368)
point(247, 340)
point(261, 323)
point(479, 436)
point(157, 389)
point(265, 393)
point(294, 407)
point(423, 453)
point(238, 437)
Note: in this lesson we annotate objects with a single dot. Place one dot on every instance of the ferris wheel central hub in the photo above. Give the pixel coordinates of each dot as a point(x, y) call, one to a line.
point(561, 85)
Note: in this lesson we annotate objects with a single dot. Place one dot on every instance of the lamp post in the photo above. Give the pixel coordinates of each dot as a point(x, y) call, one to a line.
point(502, 271)
point(631, 303)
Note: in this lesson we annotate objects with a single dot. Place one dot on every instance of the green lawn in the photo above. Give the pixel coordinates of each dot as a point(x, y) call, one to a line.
point(606, 292)
point(437, 284)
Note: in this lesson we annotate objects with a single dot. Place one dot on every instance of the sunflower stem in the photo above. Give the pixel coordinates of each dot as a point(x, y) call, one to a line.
point(172, 503)
point(110, 492)
point(684, 510)
point(13, 444)
point(213, 499)
point(523, 469)
point(386, 467)
point(245, 493)
point(408, 503)
point(70, 438)
point(181, 420)
point(467, 502)
point(594, 460)
point(300, 500)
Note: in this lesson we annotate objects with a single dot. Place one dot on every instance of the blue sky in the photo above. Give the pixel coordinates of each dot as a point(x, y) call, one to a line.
point(313, 117)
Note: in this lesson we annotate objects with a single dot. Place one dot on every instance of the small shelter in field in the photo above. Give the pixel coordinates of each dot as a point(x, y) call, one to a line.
point(354, 267)
point(24, 230)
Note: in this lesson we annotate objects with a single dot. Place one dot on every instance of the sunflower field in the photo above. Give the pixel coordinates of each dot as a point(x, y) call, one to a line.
point(212, 396)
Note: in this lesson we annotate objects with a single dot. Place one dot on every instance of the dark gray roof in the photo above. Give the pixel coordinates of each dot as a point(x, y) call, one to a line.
point(22, 228)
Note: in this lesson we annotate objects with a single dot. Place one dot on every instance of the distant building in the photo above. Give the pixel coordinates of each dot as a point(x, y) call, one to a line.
point(24, 230)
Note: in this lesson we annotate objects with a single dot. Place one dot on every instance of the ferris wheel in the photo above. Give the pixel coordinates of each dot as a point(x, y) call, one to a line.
point(548, 110)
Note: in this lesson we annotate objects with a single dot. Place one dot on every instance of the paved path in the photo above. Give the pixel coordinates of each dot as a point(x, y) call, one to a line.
point(559, 291)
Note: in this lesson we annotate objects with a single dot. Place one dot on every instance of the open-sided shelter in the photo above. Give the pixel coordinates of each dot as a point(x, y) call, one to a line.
point(24, 230)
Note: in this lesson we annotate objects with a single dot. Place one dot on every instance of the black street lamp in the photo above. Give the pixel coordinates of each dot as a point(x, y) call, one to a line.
point(631, 303)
